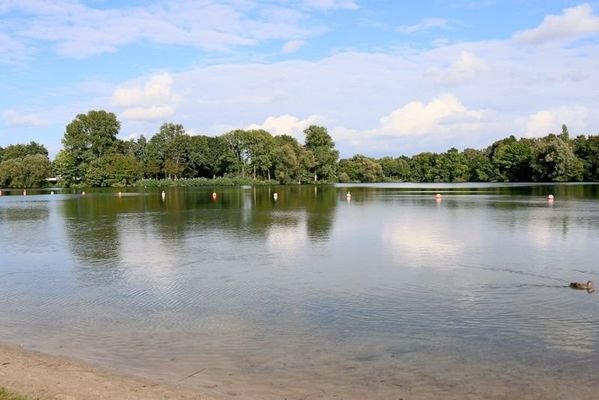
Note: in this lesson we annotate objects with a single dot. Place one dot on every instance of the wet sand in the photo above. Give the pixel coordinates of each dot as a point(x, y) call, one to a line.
point(46, 377)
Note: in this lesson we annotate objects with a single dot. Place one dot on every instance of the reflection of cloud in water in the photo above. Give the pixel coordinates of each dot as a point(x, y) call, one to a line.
point(416, 242)
point(287, 234)
point(539, 230)
point(145, 254)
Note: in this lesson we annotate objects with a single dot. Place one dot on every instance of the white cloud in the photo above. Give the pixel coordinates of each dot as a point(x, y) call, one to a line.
point(14, 118)
point(80, 31)
point(151, 100)
point(292, 46)
point(465, 68)
point(12, 51)
point(427, 24)
point(544, 122)
point(331, 4)
point(442, 115)
point(288, 125)
point(148, 113)
point(573, 23)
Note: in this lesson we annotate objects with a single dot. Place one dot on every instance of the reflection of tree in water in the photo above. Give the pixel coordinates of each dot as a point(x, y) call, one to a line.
point(95, 222)
point(92, 228)
point(320, 209)
point(253, 211)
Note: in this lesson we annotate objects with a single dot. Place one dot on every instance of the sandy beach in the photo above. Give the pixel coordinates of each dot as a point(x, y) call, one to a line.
point(55, 378)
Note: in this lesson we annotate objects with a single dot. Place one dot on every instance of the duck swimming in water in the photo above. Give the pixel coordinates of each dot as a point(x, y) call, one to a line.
point(580, 285)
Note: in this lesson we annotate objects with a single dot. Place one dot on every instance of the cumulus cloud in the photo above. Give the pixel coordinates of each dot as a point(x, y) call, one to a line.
point(427, 24)
point(573, 23)
point(442, 115)
point(153, 99)
point(465, 68)
point(288, 125)
point(292, 46)
point(544, 122)
point(14, 118)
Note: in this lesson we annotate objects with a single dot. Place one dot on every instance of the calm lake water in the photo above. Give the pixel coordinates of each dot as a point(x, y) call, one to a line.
point(390, 294)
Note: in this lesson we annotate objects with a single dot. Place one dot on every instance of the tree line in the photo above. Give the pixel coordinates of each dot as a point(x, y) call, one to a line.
point(93, 155)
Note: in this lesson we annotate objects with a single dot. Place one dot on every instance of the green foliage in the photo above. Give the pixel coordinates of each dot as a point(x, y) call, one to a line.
point(29, 171)
point(113, 170)
point(21, 150)
point(511, 160)
point(587, 150)
point(320, 143)
point(397, 169)
point(480, 168)
point(66, 169)
point(360, 168)
point(554, 160)
point(92, 155)
point(90, 136)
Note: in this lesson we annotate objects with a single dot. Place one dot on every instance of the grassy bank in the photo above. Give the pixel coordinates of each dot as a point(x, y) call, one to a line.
point(201, 182)
point(6, 395)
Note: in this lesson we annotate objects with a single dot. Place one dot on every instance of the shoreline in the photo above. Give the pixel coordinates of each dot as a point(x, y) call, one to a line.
point(46, 377)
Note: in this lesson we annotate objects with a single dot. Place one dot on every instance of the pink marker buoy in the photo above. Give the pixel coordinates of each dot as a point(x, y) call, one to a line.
point(551, 197)
point(438, 196)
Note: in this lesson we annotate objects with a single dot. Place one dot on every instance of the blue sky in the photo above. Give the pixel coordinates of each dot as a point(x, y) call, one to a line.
point(385, 77)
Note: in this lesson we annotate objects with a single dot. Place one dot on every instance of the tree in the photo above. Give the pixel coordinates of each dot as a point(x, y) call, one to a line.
point(480, 168)
point(452, 166)
point(287, 159)
point(423, 167)
point(554, 160)
point(22, 150)
point(511, 160)
point(113, 170)
point(29, 171)
point(169, 149)
point(587, 150)
point(320, 143)
point(66, 169)
point(261, 149)
point(360, 168)
point(90, 136)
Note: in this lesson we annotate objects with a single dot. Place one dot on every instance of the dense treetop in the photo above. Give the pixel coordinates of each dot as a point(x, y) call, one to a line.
point(93, 156)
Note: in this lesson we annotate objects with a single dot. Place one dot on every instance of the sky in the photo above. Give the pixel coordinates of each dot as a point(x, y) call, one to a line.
point(385, 77)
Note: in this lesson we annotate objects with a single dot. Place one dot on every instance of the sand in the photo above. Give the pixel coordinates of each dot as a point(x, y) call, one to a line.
point(47, 377)
point(56, 378)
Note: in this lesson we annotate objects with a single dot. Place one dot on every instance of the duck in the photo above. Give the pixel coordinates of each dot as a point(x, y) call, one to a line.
point(580, 285)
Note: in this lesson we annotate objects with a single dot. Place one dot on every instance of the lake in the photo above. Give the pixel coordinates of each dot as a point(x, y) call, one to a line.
point(389, 294)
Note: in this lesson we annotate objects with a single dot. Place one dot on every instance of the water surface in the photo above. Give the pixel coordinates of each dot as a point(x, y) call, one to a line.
point(390, 293)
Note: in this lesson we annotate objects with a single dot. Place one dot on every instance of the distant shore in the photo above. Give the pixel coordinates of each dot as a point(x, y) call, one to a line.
point(44, 377)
